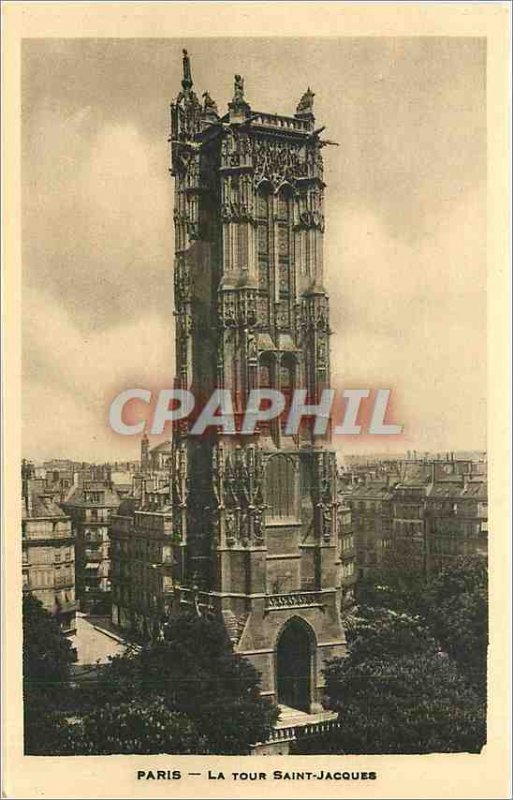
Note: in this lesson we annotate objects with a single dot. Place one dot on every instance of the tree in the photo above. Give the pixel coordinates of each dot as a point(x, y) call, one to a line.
point(397, 692)
point(453, 605)
point(141, 726)
point(194, 672)
point(47, 653)
point(456, 610)
point(47, 656)
point(392, 585)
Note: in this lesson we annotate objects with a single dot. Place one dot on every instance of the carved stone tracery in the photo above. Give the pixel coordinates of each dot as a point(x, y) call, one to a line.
point(238, 308)
point(251, 186)
point(241, 501)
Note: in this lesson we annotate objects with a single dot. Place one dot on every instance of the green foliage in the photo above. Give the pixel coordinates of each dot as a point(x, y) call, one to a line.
point(194, 672)
point(453, 605)
point(389, 588)
point(141, 726)
point(374, 633)
point(46, 729)
point(413, 704)
point(47, 655)
point(456, 610)
point(405, 561)
point(187, 694)
point(414, 680)
point(397, 692)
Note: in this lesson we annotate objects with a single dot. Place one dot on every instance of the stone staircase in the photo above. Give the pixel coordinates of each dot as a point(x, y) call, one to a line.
point(293, 724)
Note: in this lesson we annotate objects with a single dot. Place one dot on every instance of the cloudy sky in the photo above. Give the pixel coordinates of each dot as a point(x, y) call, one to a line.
point(405, 237)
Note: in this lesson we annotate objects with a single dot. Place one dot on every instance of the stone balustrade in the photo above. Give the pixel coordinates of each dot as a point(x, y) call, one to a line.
point(282, 737)
point(280, 121)
point(293, 600)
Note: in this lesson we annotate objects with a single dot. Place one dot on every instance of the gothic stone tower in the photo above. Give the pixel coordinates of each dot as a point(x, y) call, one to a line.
point(255, 517)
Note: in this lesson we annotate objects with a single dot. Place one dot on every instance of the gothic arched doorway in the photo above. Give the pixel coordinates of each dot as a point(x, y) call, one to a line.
point(294, 666)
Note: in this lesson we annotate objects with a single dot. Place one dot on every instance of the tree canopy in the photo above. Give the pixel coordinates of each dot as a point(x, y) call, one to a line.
point(456, 610)
point(47, 655)
point(398, 692)
point(414, 679)
point(192, 675)
point(140, 726)
point(453, 604)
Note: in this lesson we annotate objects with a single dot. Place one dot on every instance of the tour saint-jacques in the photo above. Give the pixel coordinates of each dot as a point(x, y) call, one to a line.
point(261, 530)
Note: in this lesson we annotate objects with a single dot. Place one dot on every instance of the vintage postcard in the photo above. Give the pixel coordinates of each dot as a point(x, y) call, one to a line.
point(256, 423)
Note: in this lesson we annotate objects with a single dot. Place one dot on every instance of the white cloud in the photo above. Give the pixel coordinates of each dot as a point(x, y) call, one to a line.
point(412, 317)
point(71, 378)
point(97, 216)
point(405, 240)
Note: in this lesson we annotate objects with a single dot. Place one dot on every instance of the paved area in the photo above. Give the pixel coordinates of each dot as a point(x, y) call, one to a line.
point(94, 646)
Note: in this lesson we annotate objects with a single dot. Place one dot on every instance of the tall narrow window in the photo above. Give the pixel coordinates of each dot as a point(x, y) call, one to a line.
point(281, 490)
point(263, 251)
point(265, 381)
point(286, 382)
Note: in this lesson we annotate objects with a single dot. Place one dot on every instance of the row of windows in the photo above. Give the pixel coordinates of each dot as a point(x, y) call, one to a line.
point(42, 529)
point(439, 528)
point(47, 555)
point(282, 208)
point(95, 534)
point(94, 497)
point(97, 514)
point(408, 528)
point(48, 577)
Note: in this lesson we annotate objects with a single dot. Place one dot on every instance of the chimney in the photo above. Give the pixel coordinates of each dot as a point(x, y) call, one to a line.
point(27, 475)
point(145, 453)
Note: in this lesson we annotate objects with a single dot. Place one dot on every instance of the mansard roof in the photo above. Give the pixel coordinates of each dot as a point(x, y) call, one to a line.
point(42, 507)
point(79, 496)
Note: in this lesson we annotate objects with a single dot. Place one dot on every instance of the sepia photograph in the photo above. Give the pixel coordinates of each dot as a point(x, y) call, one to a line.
point(254, 421)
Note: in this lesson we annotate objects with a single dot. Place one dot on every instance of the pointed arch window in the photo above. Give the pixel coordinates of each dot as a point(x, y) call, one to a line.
point(281, 489)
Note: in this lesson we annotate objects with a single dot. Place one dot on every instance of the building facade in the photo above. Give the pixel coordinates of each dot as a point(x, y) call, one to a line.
point(143, 563)
point(48, 552)
point(370, 532)
point(456, 520)
point(348, 553)
point(417, 525)
point(255, 516)
point(90, 506)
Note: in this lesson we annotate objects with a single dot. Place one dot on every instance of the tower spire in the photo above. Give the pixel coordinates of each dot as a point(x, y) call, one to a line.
point(187, 75)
